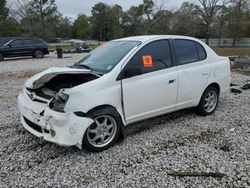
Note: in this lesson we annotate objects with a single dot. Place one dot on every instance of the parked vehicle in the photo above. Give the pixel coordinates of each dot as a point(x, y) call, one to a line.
point(121, 82)
point(15, 47)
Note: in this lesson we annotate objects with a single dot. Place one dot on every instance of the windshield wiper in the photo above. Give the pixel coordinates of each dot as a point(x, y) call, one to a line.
point(83, 66)
point(86, 67)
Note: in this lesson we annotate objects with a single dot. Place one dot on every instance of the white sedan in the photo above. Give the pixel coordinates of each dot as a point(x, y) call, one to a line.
point(121, 82)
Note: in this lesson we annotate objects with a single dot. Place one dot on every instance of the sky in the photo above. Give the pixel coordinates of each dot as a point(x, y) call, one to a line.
point(72, 8)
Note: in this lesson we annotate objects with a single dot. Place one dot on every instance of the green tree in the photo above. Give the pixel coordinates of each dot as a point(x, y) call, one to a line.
point(161, 23)
point(237, 19)
point(64, 27)
point(8, 25)
point(184, 22)
point(133, 20)
point(99, 21)
point(81, 27)
point(42, 12)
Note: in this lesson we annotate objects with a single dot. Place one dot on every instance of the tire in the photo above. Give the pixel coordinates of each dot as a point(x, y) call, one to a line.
point(38, 54)
point(208, 102)
point(104, 132)
point(1, 57)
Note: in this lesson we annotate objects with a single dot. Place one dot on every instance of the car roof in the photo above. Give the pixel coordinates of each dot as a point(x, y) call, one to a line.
point(14, 38)
point(145, 38)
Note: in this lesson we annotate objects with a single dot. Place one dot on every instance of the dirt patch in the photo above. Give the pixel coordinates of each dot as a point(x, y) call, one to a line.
point(21, 75)
point(242, 52)
point(205, 136)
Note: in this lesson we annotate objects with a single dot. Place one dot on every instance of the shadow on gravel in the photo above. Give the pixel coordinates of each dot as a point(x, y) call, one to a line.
point(21, 58)
point(145, 125)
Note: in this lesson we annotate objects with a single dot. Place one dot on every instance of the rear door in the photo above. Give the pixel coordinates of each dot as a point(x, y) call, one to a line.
point(193, 71)
point(27, 46)
point(152, 88)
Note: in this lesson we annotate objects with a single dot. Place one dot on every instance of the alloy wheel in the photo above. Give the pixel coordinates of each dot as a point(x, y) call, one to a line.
point(210, 101)
point(102, 131)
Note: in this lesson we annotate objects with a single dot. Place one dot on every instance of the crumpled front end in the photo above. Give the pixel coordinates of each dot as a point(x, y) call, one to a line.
point(63, 128)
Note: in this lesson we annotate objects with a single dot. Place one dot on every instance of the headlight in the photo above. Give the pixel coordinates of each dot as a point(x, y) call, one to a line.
point(58, 102)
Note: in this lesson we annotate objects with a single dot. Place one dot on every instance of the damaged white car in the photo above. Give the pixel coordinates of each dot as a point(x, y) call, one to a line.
point(123, 81)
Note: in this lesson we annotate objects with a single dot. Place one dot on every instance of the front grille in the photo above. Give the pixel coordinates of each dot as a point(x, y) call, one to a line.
point(33, 125)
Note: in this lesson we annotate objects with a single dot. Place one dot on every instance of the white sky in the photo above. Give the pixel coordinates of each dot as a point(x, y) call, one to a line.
point(72, 8)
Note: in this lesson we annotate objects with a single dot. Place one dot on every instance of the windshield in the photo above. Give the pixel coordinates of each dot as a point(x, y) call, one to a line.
point(104, 58)
point(4, 41)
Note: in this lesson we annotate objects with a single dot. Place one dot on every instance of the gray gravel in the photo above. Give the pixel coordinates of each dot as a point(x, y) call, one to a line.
point(177, 142)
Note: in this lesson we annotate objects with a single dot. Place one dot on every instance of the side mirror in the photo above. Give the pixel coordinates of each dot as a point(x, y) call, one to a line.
point(128, 73)
point(9, 45)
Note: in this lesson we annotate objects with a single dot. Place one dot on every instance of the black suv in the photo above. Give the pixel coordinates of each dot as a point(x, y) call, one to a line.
point(13, 47)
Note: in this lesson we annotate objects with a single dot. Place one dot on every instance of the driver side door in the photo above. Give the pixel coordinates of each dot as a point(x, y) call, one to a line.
point(149, 84)
point(15, 47)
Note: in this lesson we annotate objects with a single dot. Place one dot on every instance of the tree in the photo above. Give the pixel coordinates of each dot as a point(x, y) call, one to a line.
point(40, 18)
point(207, 10)
point(133, 20)
point(81, 27)
point(185, 22)
point(161, 23)
point(114, 22)
point(99, 21)
point(8, 25)
point(148, 8)
point(43, 9)
point(237, 18)
point(63, 27)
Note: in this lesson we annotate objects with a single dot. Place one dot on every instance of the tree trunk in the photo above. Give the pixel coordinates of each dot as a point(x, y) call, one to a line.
point(207, 34)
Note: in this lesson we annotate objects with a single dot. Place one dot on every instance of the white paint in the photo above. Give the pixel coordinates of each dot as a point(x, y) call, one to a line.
point(144, 96)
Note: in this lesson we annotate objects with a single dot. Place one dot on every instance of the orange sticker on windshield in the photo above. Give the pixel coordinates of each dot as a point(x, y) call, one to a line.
point(147, 61)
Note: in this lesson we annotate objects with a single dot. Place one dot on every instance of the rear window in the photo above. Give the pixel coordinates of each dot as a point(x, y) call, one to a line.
point(189, 51)
point(186, 51)
point(37, 41)
point(201, 52)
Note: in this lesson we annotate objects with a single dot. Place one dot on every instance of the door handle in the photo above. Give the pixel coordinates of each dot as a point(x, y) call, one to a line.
point(171, 81)
point(204, 74)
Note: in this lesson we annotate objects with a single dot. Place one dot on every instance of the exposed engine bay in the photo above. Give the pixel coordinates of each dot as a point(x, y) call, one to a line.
point(49, 89)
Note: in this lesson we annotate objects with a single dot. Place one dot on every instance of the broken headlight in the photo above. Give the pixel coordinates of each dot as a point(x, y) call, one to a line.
point(59, 101)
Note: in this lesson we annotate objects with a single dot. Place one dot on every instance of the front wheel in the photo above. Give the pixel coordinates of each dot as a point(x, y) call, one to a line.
point(208, 102)
point(38, 54)
point(104, 132)
point(1, 57)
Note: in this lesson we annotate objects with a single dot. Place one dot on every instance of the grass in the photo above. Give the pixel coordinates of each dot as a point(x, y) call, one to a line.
point(67, 47)
point(241, 52)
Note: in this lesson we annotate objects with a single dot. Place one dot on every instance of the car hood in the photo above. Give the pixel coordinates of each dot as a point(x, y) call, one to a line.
point(41, 78)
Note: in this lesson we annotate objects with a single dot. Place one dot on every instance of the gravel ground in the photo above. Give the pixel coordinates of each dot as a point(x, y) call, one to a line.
point(28, 63)
point(152, 149)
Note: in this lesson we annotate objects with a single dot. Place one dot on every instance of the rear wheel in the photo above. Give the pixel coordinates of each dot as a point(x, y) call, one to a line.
point(38, 54)
point(104, 132)
point(1, 57)
point(208, 102)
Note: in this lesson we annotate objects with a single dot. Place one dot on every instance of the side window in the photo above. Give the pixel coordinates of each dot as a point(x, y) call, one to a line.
point(186, 51)
point(27, 42)
point(16, 43)
point(201, 51)
point(152, 57)
point(36, 41)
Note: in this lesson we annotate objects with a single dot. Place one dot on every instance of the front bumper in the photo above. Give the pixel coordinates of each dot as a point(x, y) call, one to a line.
point(65, 129)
